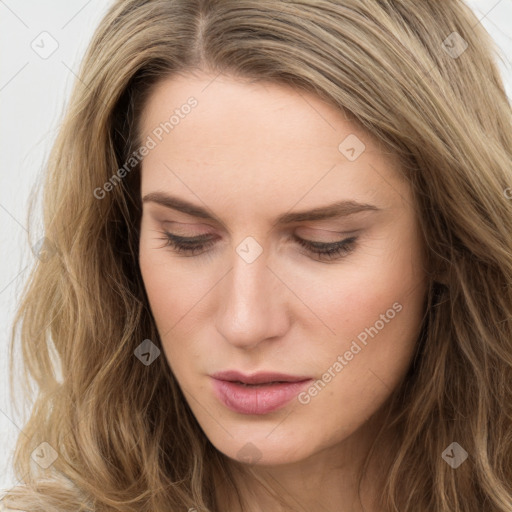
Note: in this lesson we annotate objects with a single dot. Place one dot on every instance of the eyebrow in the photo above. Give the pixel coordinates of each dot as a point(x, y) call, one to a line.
point(330, 211)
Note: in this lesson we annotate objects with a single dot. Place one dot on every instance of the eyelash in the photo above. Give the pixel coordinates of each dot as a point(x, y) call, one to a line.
point(324, 251)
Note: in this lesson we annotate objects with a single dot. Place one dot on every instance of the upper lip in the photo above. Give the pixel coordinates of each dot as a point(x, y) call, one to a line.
point(257, 378)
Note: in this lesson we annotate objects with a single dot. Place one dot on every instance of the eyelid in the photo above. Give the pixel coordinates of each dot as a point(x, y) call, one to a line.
point(175, 226)
point(335, 234)
point(162, 217)
point(339, 236)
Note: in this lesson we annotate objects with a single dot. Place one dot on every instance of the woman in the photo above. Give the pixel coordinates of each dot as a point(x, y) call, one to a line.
point(277, 267)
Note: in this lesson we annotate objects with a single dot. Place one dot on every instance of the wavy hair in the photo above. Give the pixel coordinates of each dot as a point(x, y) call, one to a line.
point(125, 437)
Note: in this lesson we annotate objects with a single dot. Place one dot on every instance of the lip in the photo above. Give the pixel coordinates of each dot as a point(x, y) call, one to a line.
point(257, 378)
point(253, 398)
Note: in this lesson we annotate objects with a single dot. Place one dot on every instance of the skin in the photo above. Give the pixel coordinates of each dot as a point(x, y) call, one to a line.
point(248, 152)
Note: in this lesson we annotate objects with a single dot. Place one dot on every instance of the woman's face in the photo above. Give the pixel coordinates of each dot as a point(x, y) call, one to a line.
point(256, 181)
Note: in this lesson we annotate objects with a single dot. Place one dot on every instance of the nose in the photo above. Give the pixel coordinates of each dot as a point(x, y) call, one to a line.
point(252, 303)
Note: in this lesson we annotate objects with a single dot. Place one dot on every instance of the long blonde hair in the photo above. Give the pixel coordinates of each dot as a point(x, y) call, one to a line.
point(421, 76)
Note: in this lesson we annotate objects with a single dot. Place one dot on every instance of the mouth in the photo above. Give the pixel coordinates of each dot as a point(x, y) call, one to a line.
point(258, 378)
point(257, 394)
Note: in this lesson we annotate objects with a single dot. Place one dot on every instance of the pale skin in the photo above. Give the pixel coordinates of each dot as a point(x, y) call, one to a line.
point(248, 153)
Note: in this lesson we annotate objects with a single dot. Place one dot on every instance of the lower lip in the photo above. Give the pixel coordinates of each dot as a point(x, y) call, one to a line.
point(257, 399)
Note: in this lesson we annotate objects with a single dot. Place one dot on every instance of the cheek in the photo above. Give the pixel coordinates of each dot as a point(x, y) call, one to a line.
point(372, 328)
point(167, 290)
point(374, 312)
point(351, 297)
point(357, 369)
point(177, 299)
point(161, 289)
point(388, 278)
point(171, 288)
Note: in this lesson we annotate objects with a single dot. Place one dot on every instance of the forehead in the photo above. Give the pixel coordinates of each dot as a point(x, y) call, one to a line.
point(259, 112)
point(255, 138)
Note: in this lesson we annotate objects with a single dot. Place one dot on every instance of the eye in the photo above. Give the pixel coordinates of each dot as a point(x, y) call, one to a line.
point(191, 246)
point(329, 250)
point(186, 245)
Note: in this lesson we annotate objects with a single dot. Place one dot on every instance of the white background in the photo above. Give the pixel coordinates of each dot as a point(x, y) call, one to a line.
point(33, 94)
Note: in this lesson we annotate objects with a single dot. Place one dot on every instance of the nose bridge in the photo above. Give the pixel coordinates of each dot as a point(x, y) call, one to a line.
point(250, 311)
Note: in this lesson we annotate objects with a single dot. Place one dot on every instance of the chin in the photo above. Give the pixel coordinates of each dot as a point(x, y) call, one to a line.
point(263, 446)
